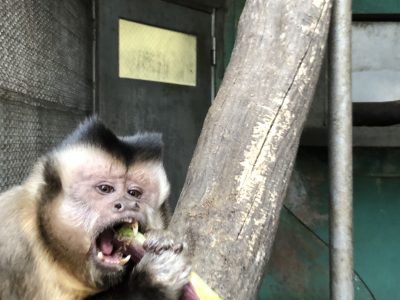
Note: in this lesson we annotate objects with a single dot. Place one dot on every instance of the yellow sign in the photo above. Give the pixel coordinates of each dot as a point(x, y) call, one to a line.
point(156, 54)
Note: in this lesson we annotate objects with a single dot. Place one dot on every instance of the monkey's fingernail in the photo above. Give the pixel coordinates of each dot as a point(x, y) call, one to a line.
point(124, 260)
point(100, 256)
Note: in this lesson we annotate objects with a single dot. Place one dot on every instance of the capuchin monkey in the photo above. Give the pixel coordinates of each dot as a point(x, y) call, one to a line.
point(57, 228)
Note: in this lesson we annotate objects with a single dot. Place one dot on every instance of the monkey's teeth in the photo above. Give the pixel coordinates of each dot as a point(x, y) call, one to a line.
point(135, 228)
point(100, 256)
point(124, 260)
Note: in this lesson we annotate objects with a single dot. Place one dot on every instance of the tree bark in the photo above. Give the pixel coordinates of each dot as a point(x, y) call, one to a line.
point(229, 207)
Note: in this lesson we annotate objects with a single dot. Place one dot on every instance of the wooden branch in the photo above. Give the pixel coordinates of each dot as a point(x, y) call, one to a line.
point(229, 207)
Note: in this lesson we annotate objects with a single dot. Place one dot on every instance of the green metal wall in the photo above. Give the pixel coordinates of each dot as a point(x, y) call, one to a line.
point(376, 6)
point(234, 9)
point(298, 267)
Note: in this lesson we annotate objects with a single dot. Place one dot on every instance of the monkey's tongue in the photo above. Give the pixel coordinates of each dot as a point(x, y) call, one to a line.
point(105, 242)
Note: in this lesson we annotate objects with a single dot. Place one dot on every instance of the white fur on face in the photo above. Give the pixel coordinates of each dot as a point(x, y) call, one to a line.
point(79, 214)
point(159, 185)
point(79, 166)
point(83, 167)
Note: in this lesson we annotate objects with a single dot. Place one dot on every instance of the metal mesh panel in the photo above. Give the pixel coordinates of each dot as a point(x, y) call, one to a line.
point(45, 78)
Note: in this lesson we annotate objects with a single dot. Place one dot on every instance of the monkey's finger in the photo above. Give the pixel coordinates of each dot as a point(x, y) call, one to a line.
point(178, 248)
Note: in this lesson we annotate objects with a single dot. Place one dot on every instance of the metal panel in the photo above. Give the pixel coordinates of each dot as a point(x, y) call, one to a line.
point(376, 225)
point(299, 265)
point(376, 7)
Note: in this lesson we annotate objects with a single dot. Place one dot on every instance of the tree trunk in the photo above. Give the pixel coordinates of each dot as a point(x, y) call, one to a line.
point(229, 208)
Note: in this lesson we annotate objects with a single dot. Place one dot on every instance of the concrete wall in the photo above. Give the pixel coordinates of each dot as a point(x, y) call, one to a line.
point(45, 78)
point(376, 61)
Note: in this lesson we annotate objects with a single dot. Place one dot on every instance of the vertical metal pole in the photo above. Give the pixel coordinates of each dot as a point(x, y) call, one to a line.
point(214, 55)
point(340, 123)
point(95, 108)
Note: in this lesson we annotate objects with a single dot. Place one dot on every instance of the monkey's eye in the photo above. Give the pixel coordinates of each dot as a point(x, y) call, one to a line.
point(135, 193)
point(105, 188)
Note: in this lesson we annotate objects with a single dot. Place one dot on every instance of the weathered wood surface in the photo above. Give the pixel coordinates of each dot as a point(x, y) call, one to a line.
point(229, 208)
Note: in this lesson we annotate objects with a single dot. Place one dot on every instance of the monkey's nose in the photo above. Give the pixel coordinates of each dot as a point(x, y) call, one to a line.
point(136, 206)
point(118, 207)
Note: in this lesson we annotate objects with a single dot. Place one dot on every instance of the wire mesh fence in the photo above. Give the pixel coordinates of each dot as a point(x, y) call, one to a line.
point(45, 78)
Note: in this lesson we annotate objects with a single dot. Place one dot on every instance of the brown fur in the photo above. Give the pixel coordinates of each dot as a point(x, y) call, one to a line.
point(27, 269)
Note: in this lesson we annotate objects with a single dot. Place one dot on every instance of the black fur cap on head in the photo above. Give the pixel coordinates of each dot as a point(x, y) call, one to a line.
point(141, 146)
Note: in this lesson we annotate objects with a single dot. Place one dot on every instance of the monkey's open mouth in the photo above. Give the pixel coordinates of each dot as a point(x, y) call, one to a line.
point(110, 251)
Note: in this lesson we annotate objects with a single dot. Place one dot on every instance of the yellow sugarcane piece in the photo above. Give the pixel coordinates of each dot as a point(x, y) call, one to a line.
point(203, 291)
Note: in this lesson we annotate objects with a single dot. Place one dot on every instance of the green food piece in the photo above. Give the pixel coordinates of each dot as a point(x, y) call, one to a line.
point(125, 232)
point(129, 233)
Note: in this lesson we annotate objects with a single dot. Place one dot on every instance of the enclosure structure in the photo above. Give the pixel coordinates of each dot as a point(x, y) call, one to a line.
point(59, 62)
point(46, 79)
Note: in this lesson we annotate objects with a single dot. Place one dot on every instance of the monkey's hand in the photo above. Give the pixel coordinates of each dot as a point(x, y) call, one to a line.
point(163, 269)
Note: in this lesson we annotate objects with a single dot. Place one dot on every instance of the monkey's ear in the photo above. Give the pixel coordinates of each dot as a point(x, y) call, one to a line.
point(51, 178)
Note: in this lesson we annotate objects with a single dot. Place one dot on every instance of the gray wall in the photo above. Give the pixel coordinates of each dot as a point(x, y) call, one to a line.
point(376, 61)
point(45, 78)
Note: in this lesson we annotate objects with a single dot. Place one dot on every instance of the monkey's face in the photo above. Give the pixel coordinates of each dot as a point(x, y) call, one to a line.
point(99, 193)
